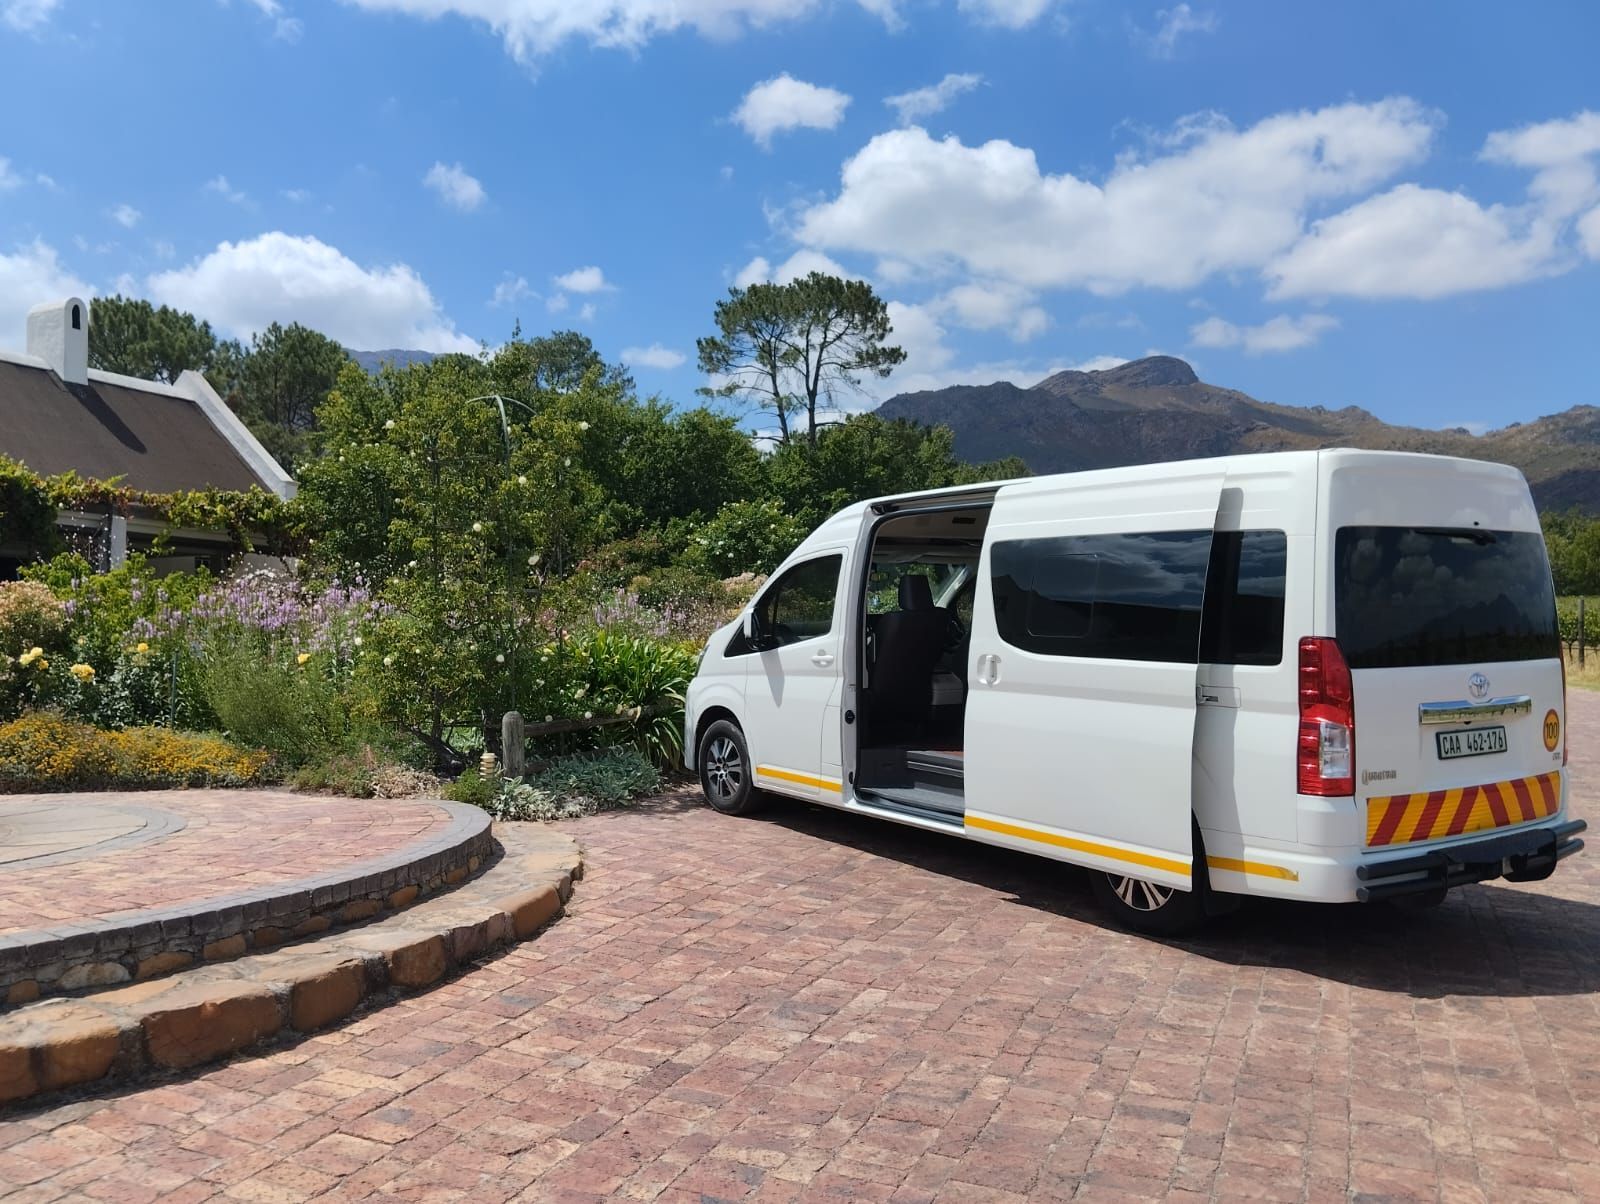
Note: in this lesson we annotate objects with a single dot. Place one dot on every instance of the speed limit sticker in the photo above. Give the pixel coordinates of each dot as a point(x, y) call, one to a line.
point(1552, 731)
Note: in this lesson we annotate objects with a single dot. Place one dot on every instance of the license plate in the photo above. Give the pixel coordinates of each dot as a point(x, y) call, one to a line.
point(1477, 742)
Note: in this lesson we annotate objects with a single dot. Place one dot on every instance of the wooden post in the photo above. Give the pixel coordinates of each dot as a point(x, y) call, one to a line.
point(1580, 632)
point(513, 745)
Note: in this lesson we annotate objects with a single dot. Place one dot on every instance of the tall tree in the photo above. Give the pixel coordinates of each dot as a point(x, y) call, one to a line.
point(135, 338)
point(533, 369)
point(789, 347)
point(286, 374)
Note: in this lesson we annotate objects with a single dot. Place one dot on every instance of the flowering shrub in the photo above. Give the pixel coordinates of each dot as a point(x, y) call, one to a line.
point(747, 537)
point(567, 788)
point(43, 751)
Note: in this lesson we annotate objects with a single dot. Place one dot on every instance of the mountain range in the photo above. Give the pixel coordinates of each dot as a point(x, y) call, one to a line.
point(1157, 409)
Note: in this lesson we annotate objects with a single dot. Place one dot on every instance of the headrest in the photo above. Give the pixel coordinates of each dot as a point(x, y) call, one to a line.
point(916, 593)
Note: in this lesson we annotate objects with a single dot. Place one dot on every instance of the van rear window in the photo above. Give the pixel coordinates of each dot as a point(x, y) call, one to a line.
point(1406, 596)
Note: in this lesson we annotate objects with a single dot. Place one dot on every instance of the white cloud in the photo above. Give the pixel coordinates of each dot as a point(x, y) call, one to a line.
point(1562, 155)
point(454, 187)
point(920, 103)
point(586, 312)
point(45, 181)
point(27, 15)
point(284, 27)
point(1217, 200)
point(1099, 363)
point(1175, 22)
point(126, 216)
point(654, 356)
point(802, 263)
point(531, 29)
point(1589, 233)
point(8, 178)
point(225, 190)
point(1426, 243)
point(556, 302)
point(510, 290)
point(993, 306)
point(163, 249)
point(785, 103)
point(1282, 333)
point(31, 275)
point(1008, 14)
point(296, 196)
point(584, 280)
point(1420, 243)
point(276, 277)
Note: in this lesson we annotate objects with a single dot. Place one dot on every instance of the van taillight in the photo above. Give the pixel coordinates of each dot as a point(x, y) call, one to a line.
point(1327, 745)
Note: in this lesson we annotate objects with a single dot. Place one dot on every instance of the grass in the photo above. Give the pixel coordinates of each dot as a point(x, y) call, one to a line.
point(1587, 676)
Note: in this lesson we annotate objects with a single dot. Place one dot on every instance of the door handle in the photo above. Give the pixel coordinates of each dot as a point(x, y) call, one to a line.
point(822, 659)
point(988, 669)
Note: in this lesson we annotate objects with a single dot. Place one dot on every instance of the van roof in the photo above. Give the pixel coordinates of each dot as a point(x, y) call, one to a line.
point(1307, 461)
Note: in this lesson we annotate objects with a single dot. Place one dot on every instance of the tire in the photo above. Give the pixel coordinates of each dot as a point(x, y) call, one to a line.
point(727, 777)
point(1155, 910)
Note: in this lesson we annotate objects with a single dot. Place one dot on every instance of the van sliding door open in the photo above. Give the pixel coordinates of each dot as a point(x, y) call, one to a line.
point(1081, 706)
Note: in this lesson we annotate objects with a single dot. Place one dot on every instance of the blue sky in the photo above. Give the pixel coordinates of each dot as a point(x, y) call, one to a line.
point(1392, 206)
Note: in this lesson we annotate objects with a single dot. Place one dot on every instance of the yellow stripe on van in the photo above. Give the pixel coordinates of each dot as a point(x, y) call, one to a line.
point(832, 785)
point(1080, 846)
point(1261, 869)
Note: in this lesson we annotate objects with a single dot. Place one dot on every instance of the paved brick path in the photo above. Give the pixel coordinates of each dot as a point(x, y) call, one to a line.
point(222, 848)
point(811, 1007)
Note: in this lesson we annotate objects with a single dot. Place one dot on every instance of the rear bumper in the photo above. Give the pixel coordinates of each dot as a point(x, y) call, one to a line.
point(1523, 855)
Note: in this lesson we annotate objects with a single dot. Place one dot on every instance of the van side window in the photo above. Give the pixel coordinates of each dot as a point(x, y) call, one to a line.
point(1121, 597)
point(1243, 619)
point(797, 606)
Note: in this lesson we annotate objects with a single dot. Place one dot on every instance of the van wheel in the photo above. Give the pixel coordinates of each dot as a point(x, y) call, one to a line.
point(726, 776)
point(1157, 910)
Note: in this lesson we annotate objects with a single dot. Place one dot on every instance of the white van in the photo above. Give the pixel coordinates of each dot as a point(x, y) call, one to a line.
point(1323, 675)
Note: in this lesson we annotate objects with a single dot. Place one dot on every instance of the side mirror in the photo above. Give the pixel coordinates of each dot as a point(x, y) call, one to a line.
point(748, 624)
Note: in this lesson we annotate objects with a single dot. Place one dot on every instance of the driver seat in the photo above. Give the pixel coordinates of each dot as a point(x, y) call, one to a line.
point(909, 641)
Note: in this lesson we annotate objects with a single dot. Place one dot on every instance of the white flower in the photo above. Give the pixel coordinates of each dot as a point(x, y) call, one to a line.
point(522, 480)
point(341, 459)
point(477, 528)
point(389, 426)
point(358, 641)
point(566, 461)
point(588, 714)
point(412, 565)
point(549, 718)
point(388, 662)
point(583, 426)
point(533, 560)
point(499, 658)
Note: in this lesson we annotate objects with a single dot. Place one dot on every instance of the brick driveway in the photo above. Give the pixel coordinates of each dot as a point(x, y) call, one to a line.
point(815, 1007)
point(219, 848)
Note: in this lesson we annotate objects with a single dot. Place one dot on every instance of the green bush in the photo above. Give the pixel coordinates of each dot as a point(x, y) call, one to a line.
point(574, 786)
point(746, 537)
point(296, 710)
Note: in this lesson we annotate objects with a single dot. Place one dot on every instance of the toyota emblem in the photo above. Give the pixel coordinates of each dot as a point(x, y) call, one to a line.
point(1478, 685)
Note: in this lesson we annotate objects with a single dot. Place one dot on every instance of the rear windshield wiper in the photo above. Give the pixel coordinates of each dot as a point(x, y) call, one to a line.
point(1476, 534)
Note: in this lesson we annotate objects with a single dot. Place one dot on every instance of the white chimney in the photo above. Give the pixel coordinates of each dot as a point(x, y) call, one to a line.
point(58, 333)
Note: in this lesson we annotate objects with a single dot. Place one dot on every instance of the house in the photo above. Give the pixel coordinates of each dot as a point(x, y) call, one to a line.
point(59, 415)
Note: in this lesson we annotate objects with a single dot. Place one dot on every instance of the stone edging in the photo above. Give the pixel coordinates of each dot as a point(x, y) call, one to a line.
point(71, 957)
point(210, 1012)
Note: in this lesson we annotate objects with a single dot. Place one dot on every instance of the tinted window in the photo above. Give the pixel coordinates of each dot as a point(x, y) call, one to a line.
point(1126, 597)
point(1442, 596)
point(797, 606)
point(1243, 622)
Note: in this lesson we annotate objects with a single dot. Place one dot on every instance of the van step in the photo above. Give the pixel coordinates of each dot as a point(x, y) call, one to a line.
point(918, 801)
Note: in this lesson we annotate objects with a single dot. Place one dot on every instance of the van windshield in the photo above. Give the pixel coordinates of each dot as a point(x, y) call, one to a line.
point(1408, 596)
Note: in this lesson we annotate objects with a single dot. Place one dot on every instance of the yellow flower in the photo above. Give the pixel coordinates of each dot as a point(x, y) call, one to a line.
point(42, 663)
point(302, 658)
point(82, 672)
point(141, 646)
point(28, 657)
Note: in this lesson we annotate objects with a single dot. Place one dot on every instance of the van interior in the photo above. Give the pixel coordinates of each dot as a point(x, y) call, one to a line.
point(921, 580)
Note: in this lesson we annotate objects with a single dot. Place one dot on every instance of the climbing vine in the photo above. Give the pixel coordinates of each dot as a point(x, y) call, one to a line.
point(254, 519)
